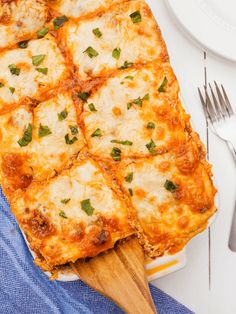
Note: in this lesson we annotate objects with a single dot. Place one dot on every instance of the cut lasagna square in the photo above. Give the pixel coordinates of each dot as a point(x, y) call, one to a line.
point(79, 8)
point(136, 112)
point(172, 194)
point(75, 215)
point(125, 34)
point(20, 19)
point(30, 72)
point(38, 142)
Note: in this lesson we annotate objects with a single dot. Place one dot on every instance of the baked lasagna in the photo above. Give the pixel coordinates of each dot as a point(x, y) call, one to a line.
point(95, 145)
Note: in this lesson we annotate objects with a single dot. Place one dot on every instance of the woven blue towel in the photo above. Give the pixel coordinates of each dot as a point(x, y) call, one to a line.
point(25, 289)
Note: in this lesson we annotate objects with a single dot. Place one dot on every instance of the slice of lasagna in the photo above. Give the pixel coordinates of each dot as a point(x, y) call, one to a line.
point(77, 214)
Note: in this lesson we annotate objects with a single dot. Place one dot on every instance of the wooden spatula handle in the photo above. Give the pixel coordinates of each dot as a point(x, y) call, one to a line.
point(120, 276)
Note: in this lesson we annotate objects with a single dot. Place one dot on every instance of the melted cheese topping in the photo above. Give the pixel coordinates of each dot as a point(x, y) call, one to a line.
point(169, 216)
point(78, 8)
point(19, 19)
point(30, 82)
point(43, 156)
point(119, 118)
point(138, 42)
point(65, 232)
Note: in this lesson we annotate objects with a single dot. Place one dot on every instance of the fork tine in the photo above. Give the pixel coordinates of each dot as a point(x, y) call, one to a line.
point(221, 101)
point(228, 104)
point(210, 107)
point(203, 103)
point(216, 107)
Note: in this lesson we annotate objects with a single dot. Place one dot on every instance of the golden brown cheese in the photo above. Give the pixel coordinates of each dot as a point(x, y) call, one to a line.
point(172, 194)
point(75, 215)
point(132, 111)
point(30, 72)
point(113, 39)
point(53, 125)
point(20, 19)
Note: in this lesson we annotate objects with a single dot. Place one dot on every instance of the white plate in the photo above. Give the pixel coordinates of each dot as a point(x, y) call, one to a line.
point(211, 22)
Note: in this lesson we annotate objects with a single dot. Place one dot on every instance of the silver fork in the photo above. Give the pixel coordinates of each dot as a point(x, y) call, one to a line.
point(223, 122)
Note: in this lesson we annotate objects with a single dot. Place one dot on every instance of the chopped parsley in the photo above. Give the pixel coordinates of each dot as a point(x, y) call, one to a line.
point(116, 53)
point(62, 115)
point(162, 88)
point(127, 143)
point(12, 89)
point(151, 146)
point(91, 52)
point(42, 32)
point(92, 107)
point(70, 141)
point(97, 133)
point(150, 125)
point(62, 214)
point(136, 17)
point(126, 65)
point(1, 84)
point(129, 177)
point(116, 154)
point(27, 136)
point(44, 131)
point(87, 207)
point(37, 60)
point(14, 70)
point(170, 186)
point(138, 101)
point(129, 105)
point(74, 129)
point(59, 21)
point(42, 70)
point(97, 32)
point(83, 96)
point(131, 192)
point(23, 44)
point(65, 200)
point(129, 77)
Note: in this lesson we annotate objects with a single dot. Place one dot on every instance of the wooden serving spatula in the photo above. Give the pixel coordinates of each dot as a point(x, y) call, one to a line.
point(119, 274)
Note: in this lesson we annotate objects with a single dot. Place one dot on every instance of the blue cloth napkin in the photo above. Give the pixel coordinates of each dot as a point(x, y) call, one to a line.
point(25, 289)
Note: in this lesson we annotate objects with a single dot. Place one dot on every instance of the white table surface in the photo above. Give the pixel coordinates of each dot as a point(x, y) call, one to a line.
point(207, 285)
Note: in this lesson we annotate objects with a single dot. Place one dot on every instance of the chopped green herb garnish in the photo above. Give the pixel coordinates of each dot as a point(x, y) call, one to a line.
point(151, 146)
point(97, 32)
point(44, 131)
point(129, 77)
point(12, 89)
point(136, 17)
point(70, 141)
point(129, 105)
point(116, 154)
point(138, 101)
point(59, 21)
point(83, 96)
point(14, 70)
point(74, 129)
point(65, 200)
point(116, 53)
point(27, 136)
point(129, 177)
point(42, 70)
point(23, 44)
point(130, 192)
point(62, 115)
point(92, 107)
point(62, 214)
point(91, 52)
point(170, 186)
point(97, 133)
point(87, 207)
point(126, 65)
point(36, 60)
point(1, 84)
point(42, 32)
point(127, 143)
point(146, 97)
point(150, 125)
point(163, 85)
